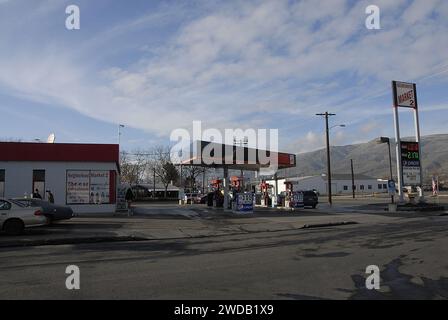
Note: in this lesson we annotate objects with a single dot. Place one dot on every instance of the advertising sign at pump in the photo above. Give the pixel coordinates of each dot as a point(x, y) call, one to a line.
point(297, 200)
point(410, 160)
point(391, 187)
point(244, 202)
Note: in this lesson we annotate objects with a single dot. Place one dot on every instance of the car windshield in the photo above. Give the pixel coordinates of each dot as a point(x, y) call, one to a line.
point(18, 203)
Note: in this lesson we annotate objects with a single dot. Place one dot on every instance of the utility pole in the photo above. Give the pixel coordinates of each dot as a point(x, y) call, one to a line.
point(353, 179)
point(326, 115)
point(203, 181)
point(391, 176)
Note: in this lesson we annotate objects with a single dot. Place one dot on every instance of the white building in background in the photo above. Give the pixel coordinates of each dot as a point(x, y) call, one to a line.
point(340, 184)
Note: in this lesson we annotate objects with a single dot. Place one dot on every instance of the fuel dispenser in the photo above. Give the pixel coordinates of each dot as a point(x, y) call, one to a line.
point(288, 194)
point(236, 183)
point(218, 197)
point(266, 190)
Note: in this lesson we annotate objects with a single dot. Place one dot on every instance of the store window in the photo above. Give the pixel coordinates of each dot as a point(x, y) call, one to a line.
point(2, 183)
point(369, 187)
point(380, 186)
point(345, 188)
point(39, 182)
point(384, 186)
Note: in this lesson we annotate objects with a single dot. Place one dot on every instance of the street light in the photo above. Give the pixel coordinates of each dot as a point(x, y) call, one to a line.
point(338, 125)
point(119, 133)
point(387, 140)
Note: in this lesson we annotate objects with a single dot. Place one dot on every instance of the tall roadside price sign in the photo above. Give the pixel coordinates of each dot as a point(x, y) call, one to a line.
point(409, 164)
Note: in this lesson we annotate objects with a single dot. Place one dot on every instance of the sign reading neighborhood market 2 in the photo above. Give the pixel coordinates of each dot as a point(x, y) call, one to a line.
point(405, 94)
point(88, 187)
point(410, 160)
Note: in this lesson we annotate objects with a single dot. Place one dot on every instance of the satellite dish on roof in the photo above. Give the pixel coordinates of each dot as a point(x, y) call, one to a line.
point(51, 138)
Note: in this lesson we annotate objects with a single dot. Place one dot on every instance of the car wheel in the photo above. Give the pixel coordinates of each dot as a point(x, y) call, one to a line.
point(13, 227)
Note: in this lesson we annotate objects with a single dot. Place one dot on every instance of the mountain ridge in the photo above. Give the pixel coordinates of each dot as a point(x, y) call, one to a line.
point(372, 159)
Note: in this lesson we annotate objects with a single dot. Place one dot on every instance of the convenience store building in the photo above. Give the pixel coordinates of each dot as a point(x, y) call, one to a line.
point(82, 176)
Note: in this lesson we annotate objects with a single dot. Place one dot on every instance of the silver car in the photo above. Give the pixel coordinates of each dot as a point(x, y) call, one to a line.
point(14, 218)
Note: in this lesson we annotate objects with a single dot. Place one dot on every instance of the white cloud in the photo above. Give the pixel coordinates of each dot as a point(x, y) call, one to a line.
point(235, 61)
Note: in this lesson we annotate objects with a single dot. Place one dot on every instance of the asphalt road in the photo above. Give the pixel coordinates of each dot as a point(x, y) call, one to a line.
point(323, 263)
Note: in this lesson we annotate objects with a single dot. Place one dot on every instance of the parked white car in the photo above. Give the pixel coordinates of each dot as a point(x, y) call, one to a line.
point(15, 218)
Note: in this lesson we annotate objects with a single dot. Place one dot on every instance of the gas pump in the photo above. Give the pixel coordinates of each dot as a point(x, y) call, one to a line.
point(265, 193)
point(288, 196)
point(216, 184)
point(236, 183)
point(218, 198)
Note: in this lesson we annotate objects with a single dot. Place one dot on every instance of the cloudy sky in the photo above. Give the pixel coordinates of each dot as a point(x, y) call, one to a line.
point(157, 66)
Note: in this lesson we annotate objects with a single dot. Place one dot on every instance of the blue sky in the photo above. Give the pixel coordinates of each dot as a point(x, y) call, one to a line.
point(157, 66)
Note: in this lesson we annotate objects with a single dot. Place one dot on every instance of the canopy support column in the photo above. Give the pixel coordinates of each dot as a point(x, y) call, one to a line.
point(226, 187)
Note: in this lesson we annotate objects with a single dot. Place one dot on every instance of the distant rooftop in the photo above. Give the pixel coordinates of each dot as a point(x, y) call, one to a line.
point(348, 176)
point(337, 176)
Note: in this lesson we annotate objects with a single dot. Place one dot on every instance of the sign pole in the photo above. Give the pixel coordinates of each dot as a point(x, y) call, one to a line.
point(397, 143)
point(417, 138)
point(398, 152)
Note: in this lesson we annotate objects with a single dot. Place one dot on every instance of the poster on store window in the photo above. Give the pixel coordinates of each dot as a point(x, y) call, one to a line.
point(78, 187)
point(99, 187)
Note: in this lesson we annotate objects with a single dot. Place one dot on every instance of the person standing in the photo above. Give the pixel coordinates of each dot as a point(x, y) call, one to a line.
point(129, 198)
point(36, 194)
point(50, 197)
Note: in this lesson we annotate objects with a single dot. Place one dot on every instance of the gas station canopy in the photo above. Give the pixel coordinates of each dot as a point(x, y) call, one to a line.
point(218, 155)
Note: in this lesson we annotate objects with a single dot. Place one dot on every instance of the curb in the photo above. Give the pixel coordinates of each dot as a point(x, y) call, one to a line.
point(323, 225)
point(55, 242)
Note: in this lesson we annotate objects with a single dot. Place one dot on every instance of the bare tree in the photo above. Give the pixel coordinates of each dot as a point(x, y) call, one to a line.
point(191, 174)
point(133, 166)
point(164, 169)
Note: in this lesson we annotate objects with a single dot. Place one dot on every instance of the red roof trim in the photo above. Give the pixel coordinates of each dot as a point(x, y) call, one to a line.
point(67, 152)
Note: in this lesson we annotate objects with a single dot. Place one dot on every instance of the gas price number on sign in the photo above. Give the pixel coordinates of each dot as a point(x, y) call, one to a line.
point(244, 201)
point(410, 156)
point(410, 159)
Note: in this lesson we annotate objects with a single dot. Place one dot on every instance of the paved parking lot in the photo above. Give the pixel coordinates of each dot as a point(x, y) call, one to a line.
point(203, 254)
point(170, 221)
point(316, 263)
